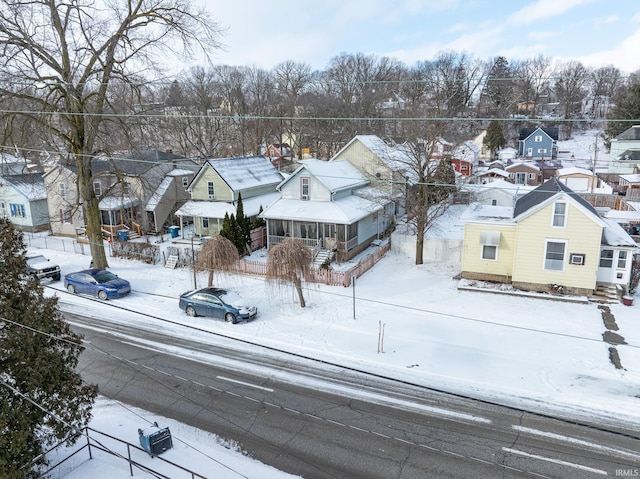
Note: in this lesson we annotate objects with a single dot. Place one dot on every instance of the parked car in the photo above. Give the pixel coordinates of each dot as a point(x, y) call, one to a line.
point(98, 282)
point(216, 303)
point(40, 267)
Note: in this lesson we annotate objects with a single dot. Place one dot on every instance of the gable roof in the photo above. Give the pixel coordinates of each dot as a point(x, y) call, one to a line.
point(632, 133)
point(395, 157)
point(245, 172)
point(527, 132)
point(334, 175)
point(545, 193)
point(530, 165)
point(30, 185)
point(132, 164)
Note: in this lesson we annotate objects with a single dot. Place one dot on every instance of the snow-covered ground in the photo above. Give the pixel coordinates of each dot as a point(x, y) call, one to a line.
point(527, 352)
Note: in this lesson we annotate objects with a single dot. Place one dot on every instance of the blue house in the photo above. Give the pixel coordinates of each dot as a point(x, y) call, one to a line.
point(538, 143)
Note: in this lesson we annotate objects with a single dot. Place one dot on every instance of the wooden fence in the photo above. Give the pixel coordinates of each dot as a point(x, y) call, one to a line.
point(325, 276)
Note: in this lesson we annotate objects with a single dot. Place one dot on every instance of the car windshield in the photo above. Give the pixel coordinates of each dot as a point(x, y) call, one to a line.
point(231, 298)
point(36, 260)
point(104, 276)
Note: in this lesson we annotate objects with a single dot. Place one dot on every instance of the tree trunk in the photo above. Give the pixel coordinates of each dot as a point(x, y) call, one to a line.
point(419, 248)
point(298, 284)
point(91, 208)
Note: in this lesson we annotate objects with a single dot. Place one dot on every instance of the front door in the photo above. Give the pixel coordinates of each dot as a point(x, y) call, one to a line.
point(605, 267)
point(328, 236)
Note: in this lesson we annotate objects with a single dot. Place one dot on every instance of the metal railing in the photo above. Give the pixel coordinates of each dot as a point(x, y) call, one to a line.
point(92, 443)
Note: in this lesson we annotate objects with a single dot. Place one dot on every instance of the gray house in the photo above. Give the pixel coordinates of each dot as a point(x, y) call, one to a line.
point(137, 192)
point(23, 201)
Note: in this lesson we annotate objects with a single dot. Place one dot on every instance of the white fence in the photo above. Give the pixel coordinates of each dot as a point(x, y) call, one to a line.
point(57, 243)
point(435, 249)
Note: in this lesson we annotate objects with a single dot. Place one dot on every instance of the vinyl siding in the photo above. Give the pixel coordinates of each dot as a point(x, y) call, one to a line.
point(200, 191)
point(582, 235)
point(472, 249)
point(369, 164)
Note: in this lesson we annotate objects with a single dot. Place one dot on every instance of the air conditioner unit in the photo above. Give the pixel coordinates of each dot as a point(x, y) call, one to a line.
point(576, 259)
point(305, 197)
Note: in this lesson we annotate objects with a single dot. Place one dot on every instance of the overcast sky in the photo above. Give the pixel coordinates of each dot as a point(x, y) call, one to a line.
point(263, 34)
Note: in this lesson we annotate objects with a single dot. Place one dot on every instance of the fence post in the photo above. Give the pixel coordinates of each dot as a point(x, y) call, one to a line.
point(86, 430)
point(129, 457)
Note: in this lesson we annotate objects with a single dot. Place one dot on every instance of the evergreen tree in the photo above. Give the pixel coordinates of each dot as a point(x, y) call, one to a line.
point(244, 227)
point(627, 107)
point(259, 222)
point(42, 398)
point(227, 229)
point(494, 138)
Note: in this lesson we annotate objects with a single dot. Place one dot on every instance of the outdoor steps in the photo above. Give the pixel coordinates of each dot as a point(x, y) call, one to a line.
point(606, 294)
point(321, 257)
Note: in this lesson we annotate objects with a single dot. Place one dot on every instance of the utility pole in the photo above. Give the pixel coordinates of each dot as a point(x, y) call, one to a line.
point(595, 159)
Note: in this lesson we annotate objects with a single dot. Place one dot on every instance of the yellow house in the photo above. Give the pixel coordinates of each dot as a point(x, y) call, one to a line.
point(552, 238)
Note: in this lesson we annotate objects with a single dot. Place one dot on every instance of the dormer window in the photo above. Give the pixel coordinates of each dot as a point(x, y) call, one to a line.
point(304, 187)
point(560, 214)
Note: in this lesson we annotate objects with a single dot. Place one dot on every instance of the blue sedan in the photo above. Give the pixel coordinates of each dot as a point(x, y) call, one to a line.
point(216, 303)
point(98, 282)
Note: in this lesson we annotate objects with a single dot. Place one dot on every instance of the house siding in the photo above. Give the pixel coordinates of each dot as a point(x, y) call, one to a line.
point(199, 191)
point(474, 267)
point(579, 233)
point(317, 191)
point(371, 166)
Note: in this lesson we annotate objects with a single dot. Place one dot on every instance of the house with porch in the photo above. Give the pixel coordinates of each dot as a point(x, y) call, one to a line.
point(137, 192)
point(329, 206)
point(551, 240)
point(523, 172)
point(23, 201)
point(217, 187)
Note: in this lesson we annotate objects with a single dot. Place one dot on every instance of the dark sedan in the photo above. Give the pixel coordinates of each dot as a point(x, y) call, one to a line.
point(98, 282)
point(216, 303)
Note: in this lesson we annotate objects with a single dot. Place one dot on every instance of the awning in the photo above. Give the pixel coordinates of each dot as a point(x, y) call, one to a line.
point(490, 238)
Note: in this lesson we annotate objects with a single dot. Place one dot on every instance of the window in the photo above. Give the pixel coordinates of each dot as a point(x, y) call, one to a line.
point(622, 259)
point(532, 176)
point(17, 210)
point(97, 188)
point(126, 188)
point(559, 215)
point(554, 255)
point(542, 150)
point(489, 241)
point(494, 202)
point(185, 181)
point(211, 190)
point(538, 139)
point(66, 216)
point(521, 178)
point(304, 187)
point(606, 258)
point(205, 222)
point(63, 189)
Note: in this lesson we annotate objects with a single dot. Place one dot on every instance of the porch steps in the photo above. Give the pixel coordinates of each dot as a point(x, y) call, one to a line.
point(321, 257)
point(606, 293)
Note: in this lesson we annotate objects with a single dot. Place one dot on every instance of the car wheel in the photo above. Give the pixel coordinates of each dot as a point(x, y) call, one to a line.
point(71, 289)
point(191, 311)
point(229, 318)
point(102, 295)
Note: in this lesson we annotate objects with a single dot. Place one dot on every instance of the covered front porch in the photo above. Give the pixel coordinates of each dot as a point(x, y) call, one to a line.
point(315, 235)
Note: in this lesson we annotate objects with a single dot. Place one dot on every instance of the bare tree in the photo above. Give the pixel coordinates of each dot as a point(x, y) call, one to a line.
point(217, 254)
point(63, 57)
point(570, 86)
point(290, 262)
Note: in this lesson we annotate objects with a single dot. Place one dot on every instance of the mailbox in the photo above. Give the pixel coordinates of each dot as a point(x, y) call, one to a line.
point(155, 440)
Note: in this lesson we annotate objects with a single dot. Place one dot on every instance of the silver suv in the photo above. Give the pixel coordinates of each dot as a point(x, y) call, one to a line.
point(40, 267)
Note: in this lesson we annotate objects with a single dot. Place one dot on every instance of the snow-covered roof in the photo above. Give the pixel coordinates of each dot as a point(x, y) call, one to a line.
point(335, 175)
point(480, 212)
point(396, 158)
point(246, 172)
point(113, 203)
point(31, 185)
point(615, 235)
point(528, 164)
point(572, 170)
point(218, 209)
point(494, 171)
point(632, 178)
point(343, 211)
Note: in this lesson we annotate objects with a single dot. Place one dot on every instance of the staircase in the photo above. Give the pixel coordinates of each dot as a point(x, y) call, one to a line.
point(321, 257)
point(606, 293)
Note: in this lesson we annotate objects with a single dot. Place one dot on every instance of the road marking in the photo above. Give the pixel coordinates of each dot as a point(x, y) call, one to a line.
point(572, 440)
point(556, 461)
point(244, 383)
